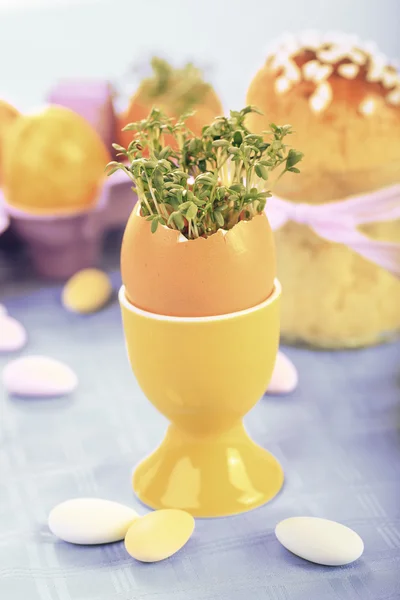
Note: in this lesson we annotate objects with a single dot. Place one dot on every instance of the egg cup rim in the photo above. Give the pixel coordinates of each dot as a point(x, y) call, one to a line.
point(124, 302)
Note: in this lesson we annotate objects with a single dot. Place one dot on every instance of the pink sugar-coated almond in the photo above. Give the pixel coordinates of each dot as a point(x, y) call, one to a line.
point(38, 376)
point(12, 334)
point(4, 220)
point(284, 378)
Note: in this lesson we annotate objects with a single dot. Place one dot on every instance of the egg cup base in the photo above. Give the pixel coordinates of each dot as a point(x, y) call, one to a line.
point(59, 248)
point(209, 477)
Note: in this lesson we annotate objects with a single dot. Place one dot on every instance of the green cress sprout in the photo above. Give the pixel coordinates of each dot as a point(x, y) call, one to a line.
point(179, 89)
point(198, 185)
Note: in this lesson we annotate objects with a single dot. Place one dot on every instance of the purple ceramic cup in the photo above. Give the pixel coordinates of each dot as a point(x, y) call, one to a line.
point(60, 246)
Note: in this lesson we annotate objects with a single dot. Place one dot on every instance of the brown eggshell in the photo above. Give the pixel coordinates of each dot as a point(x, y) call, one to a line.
point(167, 274)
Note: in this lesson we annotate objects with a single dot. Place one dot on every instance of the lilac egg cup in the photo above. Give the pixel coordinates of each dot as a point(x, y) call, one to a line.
point(61, 245)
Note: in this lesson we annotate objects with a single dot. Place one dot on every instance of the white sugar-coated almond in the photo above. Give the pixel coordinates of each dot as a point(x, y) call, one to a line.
point(3, 310)
point(282, 85)
point(323, 73)
point(310, 69)
point(313, 70)
point(377, 67)
point(320, 541)
point(357, 56)
point(32, 376)
point(321, 98)
point(292, 71)
point(284, 377)
point(367, 107)
point(12, 334)
point(279, 60)
point(393, 97)
point(348, 70)
point(380, 59)
point(390, 78)
point(331, 55)
point(91, 521)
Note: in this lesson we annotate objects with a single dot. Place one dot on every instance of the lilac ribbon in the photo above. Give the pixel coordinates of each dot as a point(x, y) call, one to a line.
point(338, 222)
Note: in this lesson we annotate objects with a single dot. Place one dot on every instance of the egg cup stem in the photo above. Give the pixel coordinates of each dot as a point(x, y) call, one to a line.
point(214, 476)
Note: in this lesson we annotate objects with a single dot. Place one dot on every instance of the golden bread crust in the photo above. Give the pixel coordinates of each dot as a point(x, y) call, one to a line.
point(344, 121)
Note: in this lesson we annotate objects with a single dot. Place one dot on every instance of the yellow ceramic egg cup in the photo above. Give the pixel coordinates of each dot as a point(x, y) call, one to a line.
point(204, 374)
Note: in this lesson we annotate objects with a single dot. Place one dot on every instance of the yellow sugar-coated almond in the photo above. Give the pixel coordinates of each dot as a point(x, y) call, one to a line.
point(159, 535)
point(87, 291)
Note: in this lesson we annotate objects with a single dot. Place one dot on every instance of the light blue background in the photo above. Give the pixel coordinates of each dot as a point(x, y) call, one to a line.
point(336, 436)
point(227, 37)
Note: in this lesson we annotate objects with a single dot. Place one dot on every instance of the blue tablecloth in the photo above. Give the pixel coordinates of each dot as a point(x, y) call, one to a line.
point(337, 437)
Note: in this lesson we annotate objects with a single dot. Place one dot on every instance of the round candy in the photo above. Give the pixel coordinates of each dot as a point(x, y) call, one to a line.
point(87, 291)
point(159, 535)
point(91, 521)
point(38, 376)
point(320, 540)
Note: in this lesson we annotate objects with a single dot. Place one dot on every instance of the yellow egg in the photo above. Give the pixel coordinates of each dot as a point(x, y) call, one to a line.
point(8, 114)
point(53, 162)
point(159, 535)
point(87, 291)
